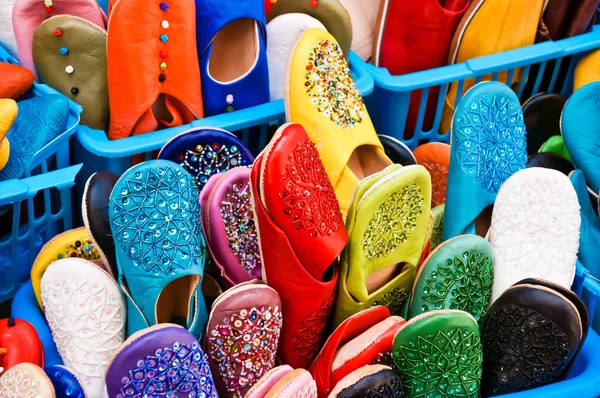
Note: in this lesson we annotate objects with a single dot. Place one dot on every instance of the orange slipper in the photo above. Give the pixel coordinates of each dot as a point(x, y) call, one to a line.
point(435, 157)
point(15, 80)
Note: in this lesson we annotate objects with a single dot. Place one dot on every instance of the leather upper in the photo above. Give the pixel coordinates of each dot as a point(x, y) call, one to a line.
point(370, 381)
point(26, 379)
point(65, 382)
point(568, 18)
point(435, 157)
point(8, 114)
point(590, 226)
point(586, 70)
point(29, 14)
point(79, 45)
point(397, 151)
point(264, 385)
point(16, 80)
point(541, 115)
point(21, 342)
point(550, 160)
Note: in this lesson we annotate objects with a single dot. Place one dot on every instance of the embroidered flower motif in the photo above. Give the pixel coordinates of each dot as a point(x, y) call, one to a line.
point(17, 383)
point(436, 231)
point(83, 249)
point(307, 193)
point(236, 211)
point(308, 391)
point(390, 388)
point(310, 335)
point(441, 364)
point(155, 221)
point(330, 85)
point(207, 160)
point(244, 347)
point(393, 299)
point(393, 222)
point(439, 182)
point(467, 279)
point(172, 371)
point(490, 137)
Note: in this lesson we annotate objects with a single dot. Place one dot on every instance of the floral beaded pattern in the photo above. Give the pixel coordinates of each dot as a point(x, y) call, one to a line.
point(393, 222)
point(391, 388)
point(155, 220)
point(436, 231)
point(19, 383)
point(173, 371)
point(490, 140)
point(331, 86)
point(80, 248)
point(244, 347)
point(523, 349)
point(308, 195)
point(236, 211)
point(384, 358)
point(393, 299)
point(206, 160)
point(461, 283)
point(441, 364)
point(310, 335)
point(439, 182)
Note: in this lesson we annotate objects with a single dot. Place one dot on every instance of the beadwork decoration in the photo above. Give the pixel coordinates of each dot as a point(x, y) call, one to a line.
point(163, 54)
point(229, 108)
point(393, 222)
point(164, 38)
point(308, 195)
point(537, 349)
point(313, 3)
point(64, 50)
point(206, 160)
point(164, 6)
point(69, 69)
point(466, 279)
point(163, 65)
point(18, 383)
point(490, 140)
point(155, 221)
point(65, 383)
point(244, 347)
point(83, 249)
point(444, 364)
point(384, 358)
point(162, 77)
point(173, 371)
point(229, 99)
point(310, 334)
point(331, 87)
point(74, 90)
point(392, 388)
point(436, 231)
point(393, 299)
point(439, 182)
point(165, 24)
point(236, 211)
point(57, 32)
point(308, 391)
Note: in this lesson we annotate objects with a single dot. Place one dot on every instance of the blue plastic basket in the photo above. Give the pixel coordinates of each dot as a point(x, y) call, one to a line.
point(389, 104)
point(20, 245)
point(97, 152)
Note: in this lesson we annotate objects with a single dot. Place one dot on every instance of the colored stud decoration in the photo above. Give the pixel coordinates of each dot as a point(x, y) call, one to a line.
point(172, 371)
point(165, 24)
point(156, 200)
point(74, 90)
point(244, 347)
point(207, 160)
point(384, 358)
point(236, 211)
point(393, 222)
point(69, 69)
point(162, 77)
point(164, 6)
point(164, 38)
point(467, 279)
point(331, 87)
point(490, 138)
point(163, 65)
point(310, 335)
point(48, 3)
point(313, 3)
point(229, 108)
point(49, 10)
point(229, 99)
point(83, 249)
point(393, 300)
point(444, 364)
point(64, 50)
point(163, 54)
point(57, 32)
point(307, 194)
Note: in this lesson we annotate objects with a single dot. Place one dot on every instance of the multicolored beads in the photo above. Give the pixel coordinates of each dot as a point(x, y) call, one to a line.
point(164, 38)
point(393, 222)
point(207, 160)
point(236, 211)
point(244, 346)
point(172, 371)
point(330, 85)
point(308, 195)
point(80, 248)
point(393, 299)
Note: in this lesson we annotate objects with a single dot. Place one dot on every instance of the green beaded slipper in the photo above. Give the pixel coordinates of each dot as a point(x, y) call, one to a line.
point(457, 275)
point(388, 226)
point(437, 213)
point(438, 354)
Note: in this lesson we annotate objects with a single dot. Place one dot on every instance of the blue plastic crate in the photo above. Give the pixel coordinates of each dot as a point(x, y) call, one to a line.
point(20, 245)
point(388, 105)
point(251, 125)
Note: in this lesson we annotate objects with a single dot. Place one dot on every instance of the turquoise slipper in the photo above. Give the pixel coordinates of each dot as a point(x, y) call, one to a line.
point(589, 233)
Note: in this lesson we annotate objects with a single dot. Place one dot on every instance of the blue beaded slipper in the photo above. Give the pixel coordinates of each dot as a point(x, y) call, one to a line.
point(488, 146)
point(205, 151)
point(155, 220)
point(66, 383)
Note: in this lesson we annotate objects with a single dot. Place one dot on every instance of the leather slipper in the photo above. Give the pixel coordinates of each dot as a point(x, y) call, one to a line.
point(15, 80)
point(269, 379)
point(66, 383)
point(541, 115)
point(397, 150)
point(297, 383)
point(19, 342)
point(370, 381)
point(435, 157)
point(26, 380)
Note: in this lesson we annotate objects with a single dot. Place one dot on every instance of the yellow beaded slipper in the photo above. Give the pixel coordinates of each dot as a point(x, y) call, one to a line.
point(388, 227)
point(73, 243)
point(8, 114)
point(320, 94)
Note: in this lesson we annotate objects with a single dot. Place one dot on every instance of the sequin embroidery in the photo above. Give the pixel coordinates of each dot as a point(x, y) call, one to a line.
point(236, 211)
point(310, 335)
point(439, 182)
point(331, 87)
point(206, 160)
point(490, 140)
point(83, 249)
point(172, 371)
point(393, 299)
point(244, 347)
point(308, 195)
point(17, 383)
point(393, 222)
